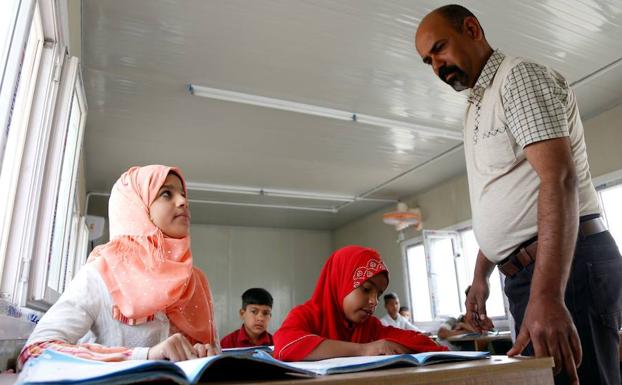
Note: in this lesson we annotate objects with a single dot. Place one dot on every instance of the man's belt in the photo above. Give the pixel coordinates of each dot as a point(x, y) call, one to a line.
point(525, 255)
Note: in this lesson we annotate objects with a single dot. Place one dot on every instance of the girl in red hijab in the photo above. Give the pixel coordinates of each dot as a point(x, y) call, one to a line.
point(338, 319)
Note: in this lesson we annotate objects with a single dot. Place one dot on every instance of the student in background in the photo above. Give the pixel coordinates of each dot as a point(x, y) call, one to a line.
point(255, 313)
point(405, 312)
point(456, 326)
point(139, 294)
point(338, 319)
point(453, 327)
point(393, 317)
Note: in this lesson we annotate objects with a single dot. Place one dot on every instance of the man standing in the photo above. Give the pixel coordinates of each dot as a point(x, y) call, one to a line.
point(535, 211)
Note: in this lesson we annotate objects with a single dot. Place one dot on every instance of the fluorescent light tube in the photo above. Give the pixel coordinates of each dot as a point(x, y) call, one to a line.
point(286, 105)
point(277, 193)
point(262, 101)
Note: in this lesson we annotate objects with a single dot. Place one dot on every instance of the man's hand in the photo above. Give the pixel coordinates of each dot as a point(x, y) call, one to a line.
point(476, 315)
point(549, 327)
point(174, 348)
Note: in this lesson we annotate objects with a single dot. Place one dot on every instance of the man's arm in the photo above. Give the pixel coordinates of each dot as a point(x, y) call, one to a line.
point(547, 322)
point(476, 315)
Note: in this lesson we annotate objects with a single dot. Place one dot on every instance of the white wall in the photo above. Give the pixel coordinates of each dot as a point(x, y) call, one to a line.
point(448, 203)
point(74, 10)
point(285, 262)
point(603, 135)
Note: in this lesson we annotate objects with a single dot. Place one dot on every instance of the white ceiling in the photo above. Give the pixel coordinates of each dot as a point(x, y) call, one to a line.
point(358, 56)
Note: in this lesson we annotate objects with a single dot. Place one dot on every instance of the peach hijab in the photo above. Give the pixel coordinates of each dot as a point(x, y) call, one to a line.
point(146, 271)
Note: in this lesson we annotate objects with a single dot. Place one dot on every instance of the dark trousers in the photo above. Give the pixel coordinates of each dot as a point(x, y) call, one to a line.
point(594, 298)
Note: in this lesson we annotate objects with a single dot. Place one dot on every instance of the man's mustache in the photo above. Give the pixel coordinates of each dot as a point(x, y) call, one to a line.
point(443, 72)
point(457, 82)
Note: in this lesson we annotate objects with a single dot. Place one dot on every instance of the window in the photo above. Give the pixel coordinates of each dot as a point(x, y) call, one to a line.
point(418, 277)
point(13, 34)
point(8, 11)
point(24, 73)
point(440, 268)
point(58, 229)
point(42, 116)
point(66, 211)
point(442, 251)
point(611, 202)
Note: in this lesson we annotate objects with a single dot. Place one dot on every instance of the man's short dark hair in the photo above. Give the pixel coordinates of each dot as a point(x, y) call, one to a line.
point(455, 15)
point(256, 296)
point(404, 308)
point(390, 296)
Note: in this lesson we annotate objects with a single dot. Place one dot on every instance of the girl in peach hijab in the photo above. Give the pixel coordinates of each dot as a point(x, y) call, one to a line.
point(138, 296)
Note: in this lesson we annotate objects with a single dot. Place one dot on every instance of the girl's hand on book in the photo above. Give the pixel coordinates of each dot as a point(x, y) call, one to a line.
point(383, 347)
point(204, 350)
point(174, 348)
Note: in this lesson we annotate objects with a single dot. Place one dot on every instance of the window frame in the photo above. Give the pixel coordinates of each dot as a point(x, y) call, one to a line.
point(454, 237)
point(23, 261)
point(40, 295)
point(11, 64)
point(28, 110)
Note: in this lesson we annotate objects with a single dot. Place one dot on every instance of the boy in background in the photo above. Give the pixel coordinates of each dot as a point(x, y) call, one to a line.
point(255, 313)
point(405, 312)
point(393, 317)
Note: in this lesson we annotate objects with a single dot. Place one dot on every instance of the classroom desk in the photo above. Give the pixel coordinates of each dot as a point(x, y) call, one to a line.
point(481, 342)
point(493, 371)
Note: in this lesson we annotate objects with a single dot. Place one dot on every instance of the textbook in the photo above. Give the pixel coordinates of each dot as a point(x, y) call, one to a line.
point(52, 367)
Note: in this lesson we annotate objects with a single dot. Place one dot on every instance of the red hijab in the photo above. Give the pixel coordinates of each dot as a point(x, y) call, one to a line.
point(322, 317)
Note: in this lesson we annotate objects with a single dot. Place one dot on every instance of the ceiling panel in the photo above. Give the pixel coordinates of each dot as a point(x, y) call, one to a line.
point(356, 56)
point(235, 144)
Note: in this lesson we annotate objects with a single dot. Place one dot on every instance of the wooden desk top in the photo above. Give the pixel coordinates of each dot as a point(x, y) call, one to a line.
point(493, 371)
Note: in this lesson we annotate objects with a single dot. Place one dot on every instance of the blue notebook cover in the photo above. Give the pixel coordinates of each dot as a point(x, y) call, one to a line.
point(52, 367)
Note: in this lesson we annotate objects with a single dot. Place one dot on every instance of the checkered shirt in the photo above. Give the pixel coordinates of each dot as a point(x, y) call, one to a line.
point(534, 100)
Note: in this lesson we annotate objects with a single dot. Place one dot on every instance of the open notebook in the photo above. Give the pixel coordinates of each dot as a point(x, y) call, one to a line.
point(54, 367)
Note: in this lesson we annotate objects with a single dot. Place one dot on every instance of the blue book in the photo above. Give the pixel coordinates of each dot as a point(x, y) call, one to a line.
point(52, 367)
